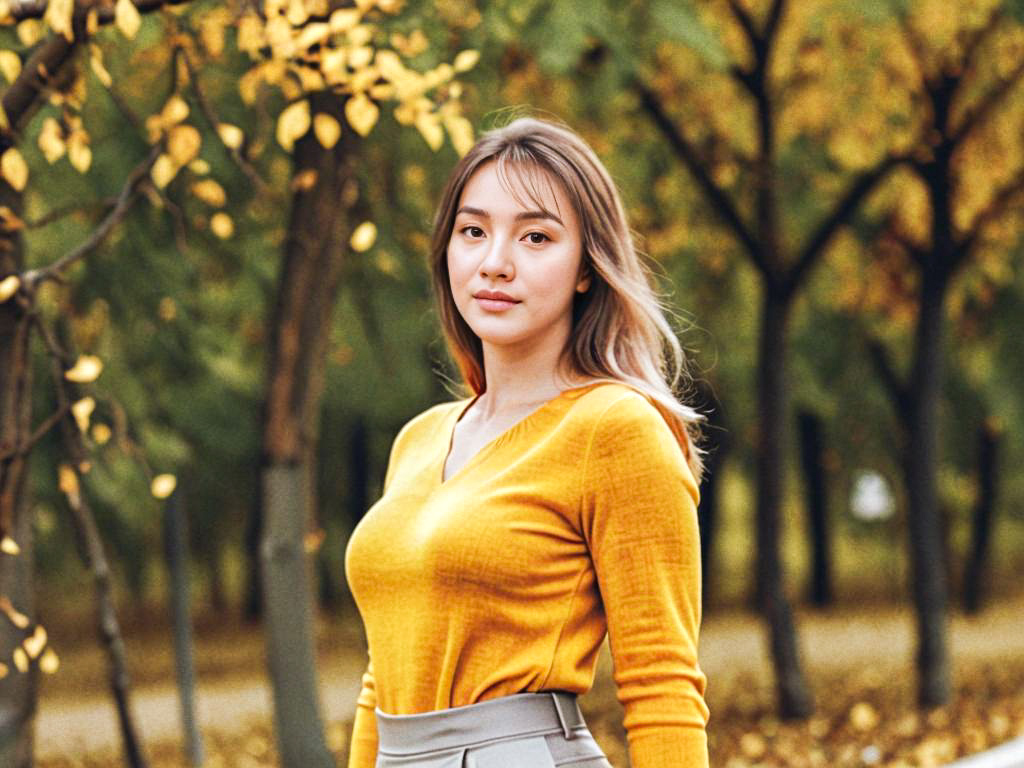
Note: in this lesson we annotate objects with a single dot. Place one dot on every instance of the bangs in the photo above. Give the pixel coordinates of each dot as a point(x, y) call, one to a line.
point(528, 180)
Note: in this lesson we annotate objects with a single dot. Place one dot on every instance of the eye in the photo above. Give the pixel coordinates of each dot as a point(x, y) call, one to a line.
point(541, 235)
point(472, 231)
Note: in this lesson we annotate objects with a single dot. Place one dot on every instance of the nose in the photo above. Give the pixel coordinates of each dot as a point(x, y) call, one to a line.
point(497, 261)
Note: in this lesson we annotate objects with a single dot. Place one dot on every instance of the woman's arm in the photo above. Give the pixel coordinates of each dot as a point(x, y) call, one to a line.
point(639, 518)
point(363, 748)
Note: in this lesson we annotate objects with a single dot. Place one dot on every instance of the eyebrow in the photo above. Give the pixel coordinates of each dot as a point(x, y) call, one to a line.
point(524, 216)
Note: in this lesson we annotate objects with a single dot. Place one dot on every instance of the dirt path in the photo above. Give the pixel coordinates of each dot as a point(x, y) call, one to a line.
point(81, 718)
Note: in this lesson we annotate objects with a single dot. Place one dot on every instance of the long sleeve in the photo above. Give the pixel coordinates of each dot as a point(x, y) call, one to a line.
point(363, 747)
point(639, 518)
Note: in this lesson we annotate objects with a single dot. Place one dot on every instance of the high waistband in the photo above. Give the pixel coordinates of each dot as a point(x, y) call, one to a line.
point(520, 714)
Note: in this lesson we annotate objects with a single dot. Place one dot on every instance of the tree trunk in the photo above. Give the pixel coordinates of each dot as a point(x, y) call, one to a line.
point(988, 469)
point(300, 324)
point(924, 526)
point(793, 694)
point(18, 693)
point(819, 586)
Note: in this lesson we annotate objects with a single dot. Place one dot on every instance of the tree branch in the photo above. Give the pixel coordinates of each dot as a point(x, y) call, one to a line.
point(34, 277)
point(974, 44)
point(995, 208)
point(721, 202)
point(48, 59)
point(214, 121)
point(844, 209)
point(69, 210)
point(887, 373)
point(746, 21)
point(34, 9)
point(988, 103)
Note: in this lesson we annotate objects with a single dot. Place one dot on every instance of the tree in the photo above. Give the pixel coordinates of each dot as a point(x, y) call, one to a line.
point(961, 121)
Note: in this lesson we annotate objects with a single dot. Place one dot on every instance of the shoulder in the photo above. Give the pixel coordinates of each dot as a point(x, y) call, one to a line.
point(627, 428)
point(609, 407)
point(426, 425)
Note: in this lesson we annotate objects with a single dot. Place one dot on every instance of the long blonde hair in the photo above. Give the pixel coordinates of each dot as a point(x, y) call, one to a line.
point(620, 332)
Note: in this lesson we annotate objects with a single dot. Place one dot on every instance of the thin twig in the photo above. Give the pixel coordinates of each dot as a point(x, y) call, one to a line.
point(69, 210)
point(34, 277)
point(215, 123)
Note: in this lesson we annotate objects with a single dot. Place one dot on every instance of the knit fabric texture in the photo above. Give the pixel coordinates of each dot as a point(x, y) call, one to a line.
point(577, 523)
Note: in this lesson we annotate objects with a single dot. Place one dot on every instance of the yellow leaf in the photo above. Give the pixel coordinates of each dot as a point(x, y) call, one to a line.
point(304, 180)
point(360, 35)
point(30, 32)
point(10, 65)
point(296, 13)
point(461, 132)
point(292, 123)
point(163, 171)
point(14, 169)
point(82, 410)
point(126, 18)
point(163, 485)
point(364, 236)
point(16, 617)
point(49, 663)
point(67, 482)
point(79, 152)
point(10, 222)
point(863, 716)
point(183, 143)
point(344, 19)
point(167, 309)
point(101, 434)
point(35, 643)
point(20, 660)
point(360, 56)
point(51, 140)
point(429, 125)
point(361, 113)
point(466, 60)
point(8, 287)
point(58, 16)
point(222, 225)
point(231, 135)
point(312, 541)
point(87, 368)
point(327, 129)
point(174, 111)
point(199, 167)
point(3, 670)
point(9, 546)
point(210, 192)
point(96, 62)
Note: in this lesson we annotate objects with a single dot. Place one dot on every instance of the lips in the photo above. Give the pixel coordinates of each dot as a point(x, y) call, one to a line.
point(495, 301)
point(495, 296)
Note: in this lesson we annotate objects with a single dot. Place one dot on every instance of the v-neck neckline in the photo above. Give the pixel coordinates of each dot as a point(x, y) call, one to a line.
point(459, 412)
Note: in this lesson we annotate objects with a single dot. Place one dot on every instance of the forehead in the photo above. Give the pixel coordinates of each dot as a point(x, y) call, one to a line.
point(522, 185)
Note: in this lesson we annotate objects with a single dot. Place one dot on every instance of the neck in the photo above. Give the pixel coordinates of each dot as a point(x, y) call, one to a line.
point(522, 376)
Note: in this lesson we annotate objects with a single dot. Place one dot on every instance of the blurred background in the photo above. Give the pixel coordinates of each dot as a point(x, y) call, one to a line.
point(215, 316)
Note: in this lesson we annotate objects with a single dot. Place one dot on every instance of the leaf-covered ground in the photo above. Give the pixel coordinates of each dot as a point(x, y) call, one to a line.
point(859, 665)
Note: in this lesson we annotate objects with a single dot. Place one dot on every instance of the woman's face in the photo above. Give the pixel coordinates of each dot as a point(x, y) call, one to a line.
point(514, 267)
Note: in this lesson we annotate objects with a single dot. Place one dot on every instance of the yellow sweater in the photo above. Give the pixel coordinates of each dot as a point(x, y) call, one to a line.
point(578, 521)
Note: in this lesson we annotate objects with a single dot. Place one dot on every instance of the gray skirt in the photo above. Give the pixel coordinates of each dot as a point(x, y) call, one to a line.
point(525, 730)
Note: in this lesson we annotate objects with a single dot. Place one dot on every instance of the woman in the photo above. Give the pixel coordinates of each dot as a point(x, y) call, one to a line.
point(556, 505)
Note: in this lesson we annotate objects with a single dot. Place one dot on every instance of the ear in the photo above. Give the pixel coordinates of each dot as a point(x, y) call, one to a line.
point(583, 285)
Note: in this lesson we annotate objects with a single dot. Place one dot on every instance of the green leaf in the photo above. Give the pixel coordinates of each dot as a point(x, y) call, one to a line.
point(560, 35)
point(680, 22)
